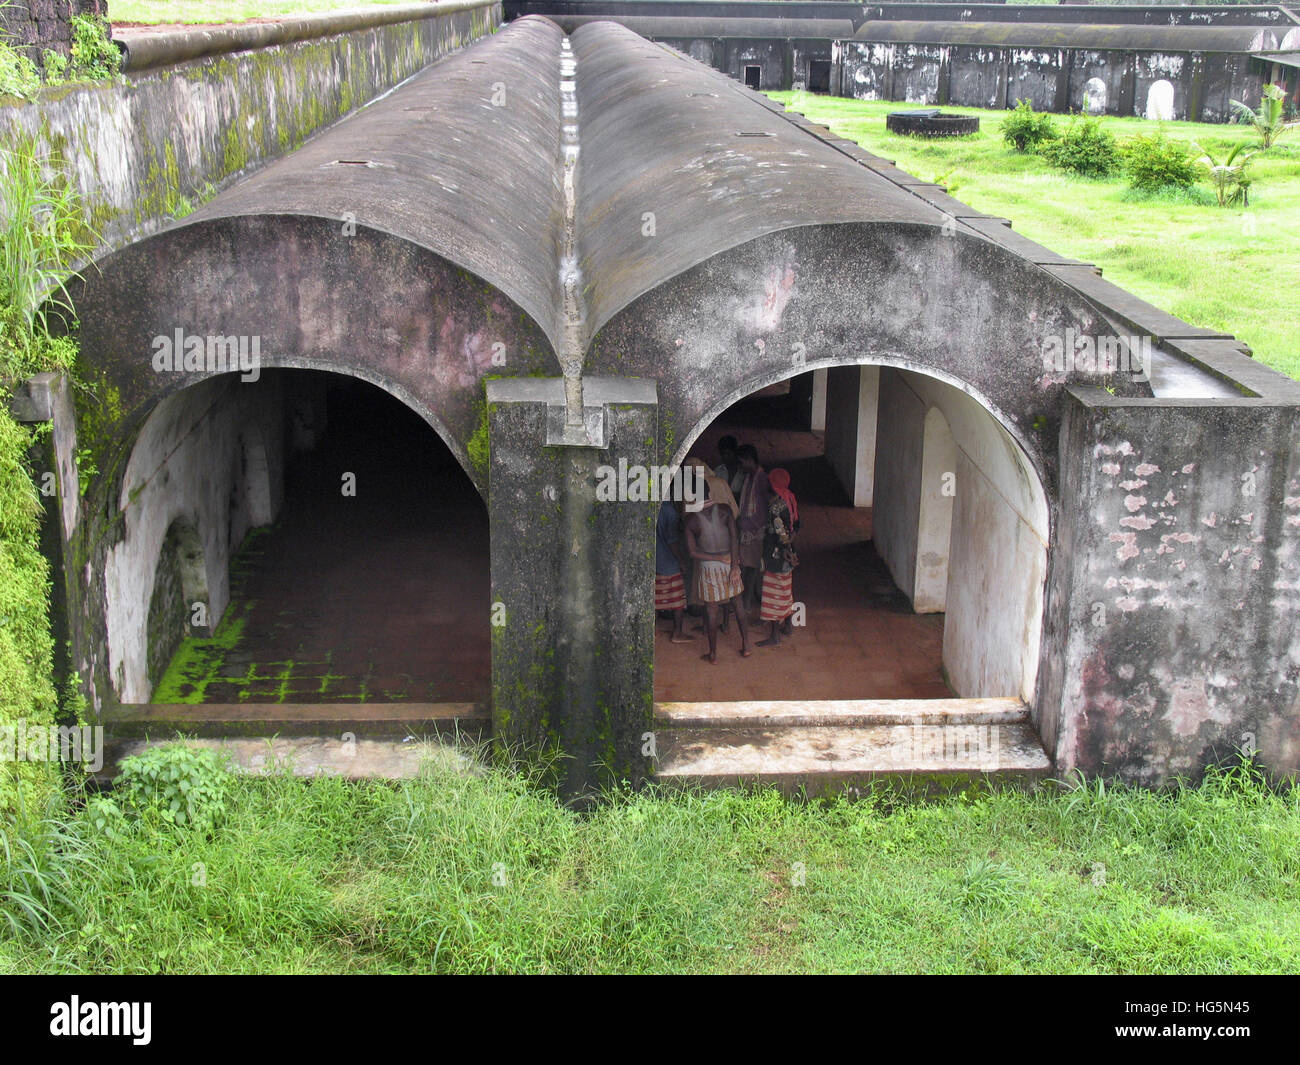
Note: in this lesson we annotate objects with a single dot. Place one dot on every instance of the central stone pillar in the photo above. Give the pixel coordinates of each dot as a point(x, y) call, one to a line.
point(572, 577)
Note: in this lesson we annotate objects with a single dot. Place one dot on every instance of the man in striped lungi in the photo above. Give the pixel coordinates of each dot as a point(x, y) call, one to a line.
point(670, 564)
point(779, 558)
point(714, 545)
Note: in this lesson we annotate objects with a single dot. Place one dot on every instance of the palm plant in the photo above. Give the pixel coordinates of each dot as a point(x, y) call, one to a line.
point(1227, 177)
point(1267, 119)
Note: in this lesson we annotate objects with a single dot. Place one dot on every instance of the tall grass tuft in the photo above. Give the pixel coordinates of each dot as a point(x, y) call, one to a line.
point(44, 865)
point(43, 236)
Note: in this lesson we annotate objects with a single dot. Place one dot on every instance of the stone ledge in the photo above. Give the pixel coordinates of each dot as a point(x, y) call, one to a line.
point(33, 400)
point(841, 712)
point(144, 48)
point(599, 393)
point(224, 720)
point(308, 756)
point(820, 759)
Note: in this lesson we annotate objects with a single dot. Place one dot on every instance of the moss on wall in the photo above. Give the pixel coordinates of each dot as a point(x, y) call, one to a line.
point(478, 448)
point(139, 160)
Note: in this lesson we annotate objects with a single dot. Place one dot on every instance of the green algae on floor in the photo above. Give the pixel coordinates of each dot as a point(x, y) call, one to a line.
point(199, 660)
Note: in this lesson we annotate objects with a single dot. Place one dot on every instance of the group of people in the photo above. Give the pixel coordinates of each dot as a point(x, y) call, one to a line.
point(734, 554)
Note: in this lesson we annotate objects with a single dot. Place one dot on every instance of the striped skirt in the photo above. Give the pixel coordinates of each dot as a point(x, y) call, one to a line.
point(670, 592)
point(778, 596)
point(714, 583)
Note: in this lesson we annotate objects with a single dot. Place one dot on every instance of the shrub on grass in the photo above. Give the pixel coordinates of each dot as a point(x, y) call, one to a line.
point(185, 786)
point(45, 862)
point(988, 885)
point(1085, 148)
point(1025, 130)
point(1153, 161)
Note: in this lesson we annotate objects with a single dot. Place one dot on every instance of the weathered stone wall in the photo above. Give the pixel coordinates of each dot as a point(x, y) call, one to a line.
point(971, 55)
point(997, 553)
point(190, 464)
point(169, 612)
point(769, 56)
point(1052, 79)
point(1176, 587)
point(1156, 13)
point(898, 478)
point(35, 25)
point(803, 54)
point(573, 629)
point(145, 151)
point(849, 420)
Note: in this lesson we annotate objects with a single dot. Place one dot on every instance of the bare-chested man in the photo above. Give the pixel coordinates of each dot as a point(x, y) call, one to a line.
point(714, 544)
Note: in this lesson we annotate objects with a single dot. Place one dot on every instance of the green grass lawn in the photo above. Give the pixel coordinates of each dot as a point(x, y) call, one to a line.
point(1228, 269)
point(464, 872)
point(170, 11)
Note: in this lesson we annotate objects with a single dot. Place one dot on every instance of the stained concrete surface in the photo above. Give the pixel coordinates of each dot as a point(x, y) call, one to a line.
point(307, 756)
point(380, 597)
point(845, 713)
point(817, 759)
point(861, 641)
point(371, 720)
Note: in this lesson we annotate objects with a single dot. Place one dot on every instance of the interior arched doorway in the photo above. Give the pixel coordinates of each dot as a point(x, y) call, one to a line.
point(923, 548)
point(344, 548)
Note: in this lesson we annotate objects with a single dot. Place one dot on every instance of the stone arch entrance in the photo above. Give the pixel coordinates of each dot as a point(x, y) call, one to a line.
point(345, 566)
point(1160, 101)
point(957, 518)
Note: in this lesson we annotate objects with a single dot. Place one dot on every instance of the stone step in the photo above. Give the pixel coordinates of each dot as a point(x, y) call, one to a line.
point(364, 720)
point(841, 712)
point(309, 755)
point(823, 758)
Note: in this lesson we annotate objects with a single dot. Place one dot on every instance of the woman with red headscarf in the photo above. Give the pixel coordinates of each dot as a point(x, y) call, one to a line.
point(779, 558)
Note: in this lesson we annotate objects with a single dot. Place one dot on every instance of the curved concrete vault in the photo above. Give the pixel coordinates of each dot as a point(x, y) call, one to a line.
point(421, 237)
point(565, 251)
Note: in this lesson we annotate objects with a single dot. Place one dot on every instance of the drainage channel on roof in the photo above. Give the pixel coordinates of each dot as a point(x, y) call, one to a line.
point(573, 428)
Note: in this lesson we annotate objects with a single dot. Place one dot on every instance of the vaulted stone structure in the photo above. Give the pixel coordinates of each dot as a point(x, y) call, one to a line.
point(566, 252)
